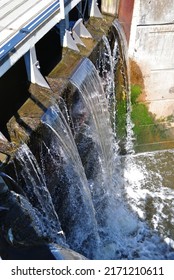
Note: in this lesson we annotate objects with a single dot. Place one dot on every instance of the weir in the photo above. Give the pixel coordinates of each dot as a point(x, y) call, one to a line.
point(70, 186)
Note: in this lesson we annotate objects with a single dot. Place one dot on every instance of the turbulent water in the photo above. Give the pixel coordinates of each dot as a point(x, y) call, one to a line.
point(94, 137)
point(108, 206)
point(81, 193)
point(150, 192)
point(68, 185)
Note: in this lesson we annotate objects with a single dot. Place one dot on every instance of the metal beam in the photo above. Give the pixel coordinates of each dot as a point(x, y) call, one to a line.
point(33, 69)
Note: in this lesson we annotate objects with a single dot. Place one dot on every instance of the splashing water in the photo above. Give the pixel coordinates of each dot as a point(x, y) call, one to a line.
point(109, 206)
point(106, 186)
point(35, 189)
point(126, 74)
point(149, 191)
point(109, 62)
point(68, 186)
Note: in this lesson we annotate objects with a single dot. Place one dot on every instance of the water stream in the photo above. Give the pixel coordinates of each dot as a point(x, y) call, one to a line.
point(79, 192)
point(68, 185)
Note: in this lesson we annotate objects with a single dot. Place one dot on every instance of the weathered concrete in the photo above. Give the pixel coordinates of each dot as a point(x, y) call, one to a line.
point(151, 46)
point(158, 12)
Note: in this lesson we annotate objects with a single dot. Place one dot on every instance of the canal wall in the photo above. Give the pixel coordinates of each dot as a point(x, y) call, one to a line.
point(151, 48)
point(149, 29)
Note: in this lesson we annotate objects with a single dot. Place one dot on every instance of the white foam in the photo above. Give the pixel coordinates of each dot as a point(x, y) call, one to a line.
point(148, 192)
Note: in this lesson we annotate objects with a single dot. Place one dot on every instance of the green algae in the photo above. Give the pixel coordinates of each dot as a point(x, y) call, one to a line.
point(150, 133)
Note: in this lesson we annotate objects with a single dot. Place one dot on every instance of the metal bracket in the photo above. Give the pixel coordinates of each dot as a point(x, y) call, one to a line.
point(95, 12)
point(69, 42)
point(77, 39)
point(80, 29)
point(32, 67)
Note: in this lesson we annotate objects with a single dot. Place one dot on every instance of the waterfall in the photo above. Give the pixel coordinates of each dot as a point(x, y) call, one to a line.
point(88, 82)
point(126, 69)
point(35, 189)
point(68, 185)
point(95, 143)
point(108, 65)
point(74, 191)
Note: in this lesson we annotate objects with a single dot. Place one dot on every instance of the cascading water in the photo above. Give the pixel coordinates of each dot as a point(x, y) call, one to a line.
point(80, 193)
point(36, 191)
point(108, 63)
point(94, 136)
point(68, 185)
point(124, 235)
point(96, 104)
point(125, 61)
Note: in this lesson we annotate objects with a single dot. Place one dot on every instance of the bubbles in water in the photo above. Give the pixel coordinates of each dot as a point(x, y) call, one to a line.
point(149, 194)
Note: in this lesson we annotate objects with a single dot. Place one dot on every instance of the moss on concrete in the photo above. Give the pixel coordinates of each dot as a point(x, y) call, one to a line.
point(151, 134)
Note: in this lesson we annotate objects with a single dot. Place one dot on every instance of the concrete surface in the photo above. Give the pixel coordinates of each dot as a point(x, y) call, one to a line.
point(151, 46)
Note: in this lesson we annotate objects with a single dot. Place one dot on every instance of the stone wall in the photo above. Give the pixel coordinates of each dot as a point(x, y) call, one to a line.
point(151, 46)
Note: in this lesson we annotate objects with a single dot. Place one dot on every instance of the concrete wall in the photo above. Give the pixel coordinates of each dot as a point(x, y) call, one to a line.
point(152, 11)
point(152, 47)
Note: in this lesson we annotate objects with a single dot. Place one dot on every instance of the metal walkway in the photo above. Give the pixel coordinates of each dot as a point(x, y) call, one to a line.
point(19, 18)
point(23, 23)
